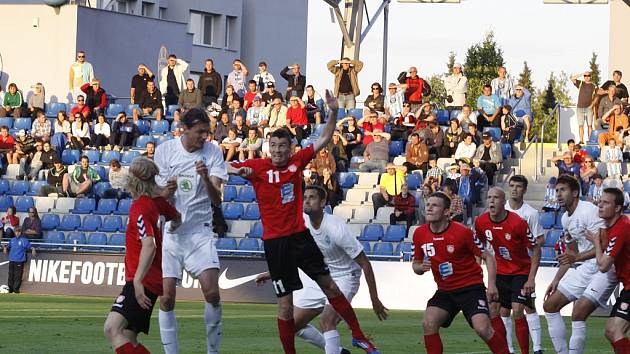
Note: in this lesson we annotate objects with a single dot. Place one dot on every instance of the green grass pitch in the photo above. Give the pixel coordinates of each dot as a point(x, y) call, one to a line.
point(64, 324)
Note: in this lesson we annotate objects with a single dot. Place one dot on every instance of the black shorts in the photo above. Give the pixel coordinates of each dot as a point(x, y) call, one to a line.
point(621, 308)
point(509, 287)
point(138, 318)
point(470, 300)
point(286, 254)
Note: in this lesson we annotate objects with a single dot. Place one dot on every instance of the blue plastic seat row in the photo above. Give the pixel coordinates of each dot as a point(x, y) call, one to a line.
point(225, 245)
point(69, 222)
point(374, 232)
point(105, 206)
point(245, 194)
point(235, 211)
point(80, 238)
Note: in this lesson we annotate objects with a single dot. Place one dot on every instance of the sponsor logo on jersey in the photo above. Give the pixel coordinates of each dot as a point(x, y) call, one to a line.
point(450, 248)
point(482, 302)
point(508, 237)
point(120, 299)
point(438, 238)
point(185, 185)
point(623, 306)
point(292, 168)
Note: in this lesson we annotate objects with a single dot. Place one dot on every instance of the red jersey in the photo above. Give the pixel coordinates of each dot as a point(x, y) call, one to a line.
point(297, 116)
point(248, 99)
point(619, 248)
point(452, 254)
point(367, 127)
point(510, 240)
point(413, 93)
point(144, 215)
point(7, 143)
point(85, 110)
point(279, 193)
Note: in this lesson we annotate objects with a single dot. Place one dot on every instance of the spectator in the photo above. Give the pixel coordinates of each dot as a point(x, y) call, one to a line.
point(277, 114)
point(235, 110)
point(118, 180)
point(81, 73)
point(322, 160)
point(334, 194)
point(16, 248)
point(465, 190)
point(404, 208)
point(566, 165)
point(81, 107)
point(313, 110)
point(404, 123)
point(453, 136)
point(456, 86)
point(394, 100)
point(32, 225)
point(375, 102)
point(521, 104)
point(80, 133)
point(369, 123)
point(376, 153)
point(490, 157)
point(83, 178)
point(237, 77)
point(352, 134)
point(229, 145)
point(587, 173)
point(457, 205)
point(296, 82)
point(210, 84)
point(251, 147)
point(58, 181)
point(508, 125)
point(503, 86)
point(256, 118)
point(263, 77)
point(37, 101)
point(415, 87)
point(190, 97)
point(466, 150)
point(297, 121)
point(172, 79)
point(41, 129)
point(489, 107)
point(149, 153)
point(228, 96)
point(616, 119)
point(7, 144)
point(476, 134)
point(346, 81)
point(607, 102)
point(95, 98)
point(311, 177)
point(9, 222)
point(578, 154)
point(417, 155)
point(150, 103)
point(435, 138)
point(452, 174)
point(62, 128)
point(252, 92)
point(390, 186)
point(31, 163)
point(424, 113)
point(479, 181)
point(613, 157)
point(48, 156)
point(12, 103)
point(621, 92)
point(337, 148)
point(584, 111)
point(240, 127)
point(466, 116)
point(123, 132)
point(596, 189)
point(24, 145)
point(270, 94)
point(139, 84)
point(223, 127)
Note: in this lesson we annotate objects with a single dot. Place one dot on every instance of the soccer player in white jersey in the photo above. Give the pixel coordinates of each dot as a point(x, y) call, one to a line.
point(345, 258)
point(585, 285)
point(191, 170)
point(518, 188)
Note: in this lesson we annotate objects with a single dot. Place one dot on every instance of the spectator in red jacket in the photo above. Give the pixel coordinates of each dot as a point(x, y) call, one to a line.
point(297, 121)
point(9, 223)
point(7, 144)
point(415, 87)
point(95, 98)
point(81, 107)
point(404, 208)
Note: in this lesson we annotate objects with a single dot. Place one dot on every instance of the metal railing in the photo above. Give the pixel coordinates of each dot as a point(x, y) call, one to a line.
point(539, 143)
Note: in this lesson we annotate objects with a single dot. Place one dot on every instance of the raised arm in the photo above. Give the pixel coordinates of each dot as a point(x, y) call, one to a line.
point(329, 128)
point(368, 272)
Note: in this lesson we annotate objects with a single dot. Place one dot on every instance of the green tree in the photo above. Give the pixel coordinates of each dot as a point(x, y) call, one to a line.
point(438, 92)
point(450, 63)
point(525, 78)
point(556, 91)
point(594, 68)
point(482, 62)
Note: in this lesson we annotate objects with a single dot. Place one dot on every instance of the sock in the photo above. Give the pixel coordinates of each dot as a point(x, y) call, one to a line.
point(126, 348)
point(497, 325)
point(168, 332)
point(533, 322)
point(333, 342)
point(507, 322)
point(522, 334)
point(557, 332)
point(286, 329)
point(497, 343)
point(578, 337)
point(312, 335)
point(214, 327)
point(141, 349)
point(345, 311)
point(622, 346)
point(433, 344)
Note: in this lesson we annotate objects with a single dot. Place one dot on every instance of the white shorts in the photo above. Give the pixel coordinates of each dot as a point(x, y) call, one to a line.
point(587, 281)
point(312, 297)
point(192, 252)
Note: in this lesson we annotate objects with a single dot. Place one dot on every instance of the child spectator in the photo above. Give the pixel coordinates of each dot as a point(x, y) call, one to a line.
point(434, 171)
point(9, 223)
point(453, 174)
point(596, 190)
point(613, 159)
point(17, 248)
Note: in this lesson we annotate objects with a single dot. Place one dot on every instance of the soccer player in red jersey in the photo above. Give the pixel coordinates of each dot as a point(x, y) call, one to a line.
point(510, 239)
point(131, 313)
point(450, 251)
point(288, 244)
point(618, 253)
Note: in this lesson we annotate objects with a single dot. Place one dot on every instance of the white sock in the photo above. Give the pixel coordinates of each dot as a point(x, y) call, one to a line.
point(214, 327)
point(507, 322)
point(578, 337)
point(557, 332)
point(533, 322)
point(333, 342)
point(312, 335)
point(168, 332)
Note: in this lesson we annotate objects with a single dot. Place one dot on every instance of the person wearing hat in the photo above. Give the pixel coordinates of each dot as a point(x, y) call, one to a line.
point(521, 103)
point(256, 118)
point(490, 157)
point(456, 86)
point(452, 173)
point(95, 97)
point(584, 111)
point(263, 77)
point(394, 100)
point(270, 94)
point(376, 153)
point(346, 81)
point(16, 248)
point(390, 186)
point(466, 188)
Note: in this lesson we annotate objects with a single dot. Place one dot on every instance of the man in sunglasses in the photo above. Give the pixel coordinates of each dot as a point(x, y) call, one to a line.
point(587, 91)
point(81, 107)
point(81, 73)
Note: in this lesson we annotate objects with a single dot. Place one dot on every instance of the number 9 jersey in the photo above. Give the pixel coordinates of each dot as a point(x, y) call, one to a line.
point(452, 255)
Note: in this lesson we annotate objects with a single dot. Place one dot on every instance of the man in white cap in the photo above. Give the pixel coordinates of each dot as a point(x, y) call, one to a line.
point(456, 86)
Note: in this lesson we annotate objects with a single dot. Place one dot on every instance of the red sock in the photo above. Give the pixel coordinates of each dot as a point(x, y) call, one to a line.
point(126, 348)
point(498, 343)
point(287, 335)
point(622, 346)
point(522, 334)
point(345, 311)
point(498, 326)
point(433, 344)
point(141, 349)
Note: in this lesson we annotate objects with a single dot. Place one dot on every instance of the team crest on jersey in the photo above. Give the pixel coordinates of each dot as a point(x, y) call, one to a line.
point(185, 185)
point(482, 303)
point(450, 248)
point(623, 306)
point(292, 168)
point(508, 237)
point(120, 299)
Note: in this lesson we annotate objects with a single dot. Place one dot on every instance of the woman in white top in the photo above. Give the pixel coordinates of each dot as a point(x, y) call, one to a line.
point(80, 133)
point(102, 130)
point(62, 125)
point(466, 149)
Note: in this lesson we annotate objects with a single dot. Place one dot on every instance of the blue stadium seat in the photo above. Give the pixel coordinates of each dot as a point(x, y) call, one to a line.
point(246, 195)
point(366, 247)
point(592, 150)
point(113, 109)
point(123, 207)
point(117, 240)
point(383, 249)
point(341, 113)
point(396, 148)
point(19, 188)
point(5, 202)
point(84, 205)
point(224, 245)
point(4, 186)
point(248, 244)
point(143, 140)
point(506, 151)
point(547, 219)
point(442, 116)
point(163, 138)
point(495, 133)
point(592, 140)
point(255, 230)
point(233, 211)
point(70, 157)
point(55, 237)
point(371, 232)
point(130, 108)
point(69, 222)
point(347, 179)
point(111, 223)
point(93, 155)
point(414, 180)
point(100, 188)
point(236, 180)
point(328, 209)
point(395, 233)
point(626, 186)
point(406, 249)
point(558, 224)
point(356, 113)
point(97, 238)
point(128, 156)
point(6, 121)
point(455, 113)
point(552, 237)
point(251, 212)
point(106, 206)
point(91, 223)
point(76, 237)
point(548, 254)
point(229, 193)
point(22, 123)
point(108, 156)
point(22, 204)
point(170, 110)
point(54, 108)
point(159, 126)
point(35, 187)
point(49, 221)
point(143, 127)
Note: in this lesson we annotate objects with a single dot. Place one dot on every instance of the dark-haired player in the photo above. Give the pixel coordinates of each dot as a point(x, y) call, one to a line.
point(450, 251)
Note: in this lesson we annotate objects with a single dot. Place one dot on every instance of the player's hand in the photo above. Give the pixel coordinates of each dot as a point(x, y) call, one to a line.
point(174, 225)
point(379, 309)
point(529, 287)
point(551, 289)
point(331, 101)
point(492, 293)
point(171, 186)
point(426, 265)
point(202, 169)
point(141, 298)
point(568, 257)
point(244, 171)
point(262, 278)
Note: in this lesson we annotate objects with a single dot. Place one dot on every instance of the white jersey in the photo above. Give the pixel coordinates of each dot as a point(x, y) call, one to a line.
point(531, 216)
point(191, 197)
point(584, 218)
point(337, 244)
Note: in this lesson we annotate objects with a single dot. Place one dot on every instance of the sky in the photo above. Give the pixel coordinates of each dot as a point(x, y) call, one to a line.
point(552, 38)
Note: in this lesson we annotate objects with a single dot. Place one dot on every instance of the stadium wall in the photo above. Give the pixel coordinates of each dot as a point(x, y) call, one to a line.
point(618, 57)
